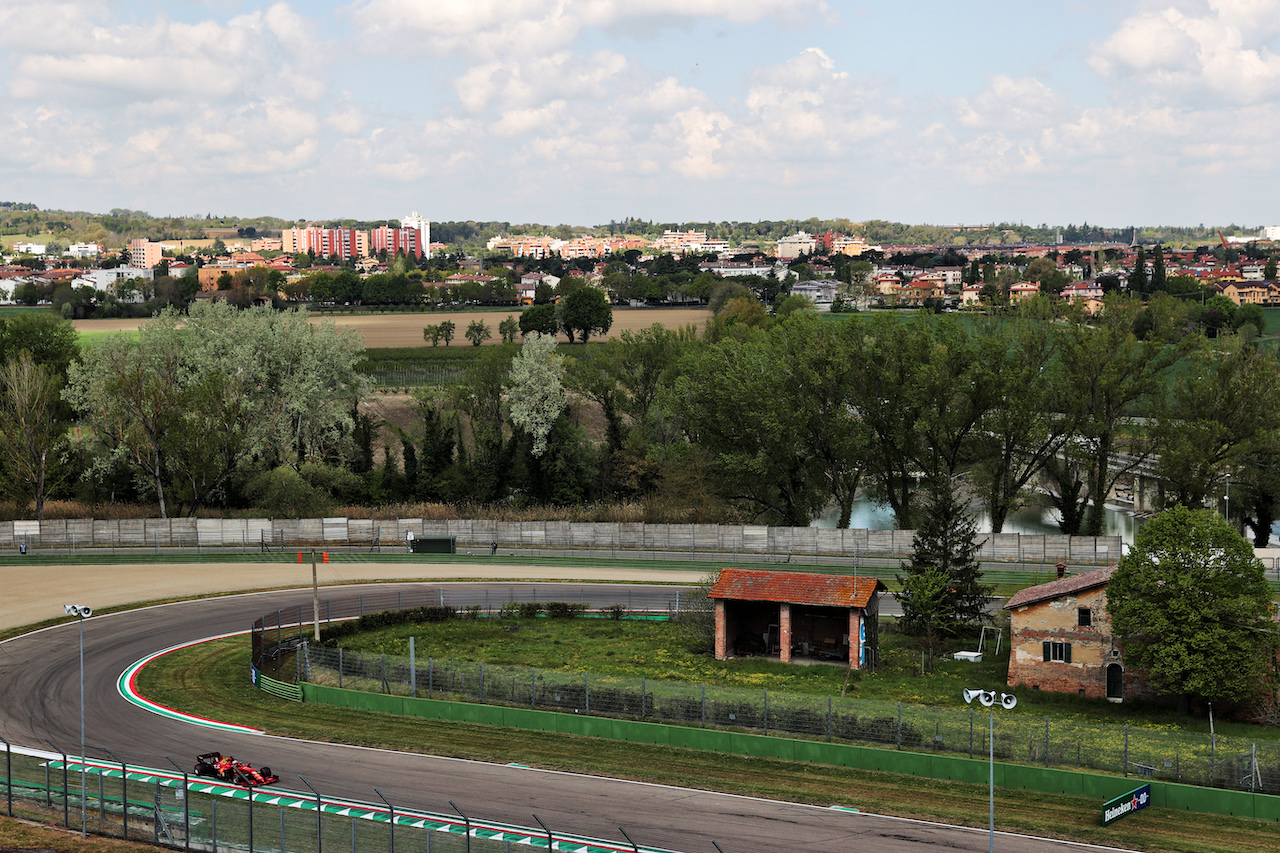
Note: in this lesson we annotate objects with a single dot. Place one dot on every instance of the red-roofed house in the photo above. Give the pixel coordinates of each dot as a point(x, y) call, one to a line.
point(827, 617)
point(1062, 641)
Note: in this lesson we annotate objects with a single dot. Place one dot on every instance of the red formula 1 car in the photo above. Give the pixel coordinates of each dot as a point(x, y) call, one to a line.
point(227, 769)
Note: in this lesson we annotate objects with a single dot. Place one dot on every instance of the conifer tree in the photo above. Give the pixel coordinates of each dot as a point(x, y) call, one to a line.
point(1138, 277)
point(946, 540)
point(1159, 278)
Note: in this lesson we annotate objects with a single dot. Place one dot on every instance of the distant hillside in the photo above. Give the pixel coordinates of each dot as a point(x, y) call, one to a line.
point(114, 228)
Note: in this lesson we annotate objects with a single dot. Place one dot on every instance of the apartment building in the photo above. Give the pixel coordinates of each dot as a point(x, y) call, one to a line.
point(346, 243)
point(145, 255)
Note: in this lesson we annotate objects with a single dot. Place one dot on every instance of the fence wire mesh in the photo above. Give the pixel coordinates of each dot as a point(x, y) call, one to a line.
point(1190, 758)
point(186, 814)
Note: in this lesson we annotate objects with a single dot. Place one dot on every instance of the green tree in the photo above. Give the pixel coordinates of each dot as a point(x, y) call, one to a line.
point(479, 397)
point(535, 389)
point(478, 332)
point(1219, 410)
point(447, 329)
point(1192, 607)
point(922, 389)
point(1159, 279)
point(738, 409)
point(585, 312)
point(31, 426)
point(1111, 377)
point(197, 396)
point(52, 341)
point(438, 444)
point(1138, 283)
point(1258, 492)
point(1269, 269)
point(792, 304)
point(539, 319)
point(1027, 429)
point(508, 329)
point(946, 541)
point(927, 607)
point(817, 366)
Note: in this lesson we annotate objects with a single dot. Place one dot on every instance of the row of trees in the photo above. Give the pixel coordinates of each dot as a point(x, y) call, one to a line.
point(764, 418)
point(802, 415)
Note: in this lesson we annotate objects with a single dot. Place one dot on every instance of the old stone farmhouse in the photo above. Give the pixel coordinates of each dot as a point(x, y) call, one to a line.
point(1062, 641)
point(794, 615)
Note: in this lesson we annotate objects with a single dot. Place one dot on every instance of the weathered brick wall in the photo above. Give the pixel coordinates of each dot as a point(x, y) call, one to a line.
point(1057, 620)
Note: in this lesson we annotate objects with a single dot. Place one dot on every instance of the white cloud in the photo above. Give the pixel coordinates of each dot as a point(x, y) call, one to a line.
point(697, 135)
point(165, 59)
point(525, 120)
point(1008, 103)
point(805, 101)
point(1218, 49)
point(562, 75)
point(493, 28)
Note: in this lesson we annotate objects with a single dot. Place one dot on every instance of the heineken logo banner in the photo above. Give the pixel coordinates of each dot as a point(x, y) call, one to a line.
point(1126, 804)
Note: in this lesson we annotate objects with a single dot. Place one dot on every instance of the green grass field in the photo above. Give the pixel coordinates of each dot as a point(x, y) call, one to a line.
point(8, 312)
point(210, 680)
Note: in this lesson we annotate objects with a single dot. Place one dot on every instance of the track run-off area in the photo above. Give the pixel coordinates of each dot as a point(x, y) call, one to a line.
point(40, 701)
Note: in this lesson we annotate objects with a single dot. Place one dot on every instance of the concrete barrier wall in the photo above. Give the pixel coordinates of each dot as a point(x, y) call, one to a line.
point(617, 538)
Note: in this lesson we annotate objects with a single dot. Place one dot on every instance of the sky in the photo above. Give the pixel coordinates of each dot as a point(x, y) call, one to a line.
point(586, 111)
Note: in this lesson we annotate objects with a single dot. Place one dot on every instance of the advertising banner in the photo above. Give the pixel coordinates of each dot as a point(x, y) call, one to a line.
point(1126, 804)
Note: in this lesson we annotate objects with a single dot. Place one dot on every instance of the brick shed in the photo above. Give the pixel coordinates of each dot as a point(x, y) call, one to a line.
point(1062, 641)
point(797, 615)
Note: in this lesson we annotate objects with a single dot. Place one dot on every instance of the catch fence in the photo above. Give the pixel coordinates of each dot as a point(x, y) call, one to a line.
point(636, 540)
point(1185, 757)
point(177, 809)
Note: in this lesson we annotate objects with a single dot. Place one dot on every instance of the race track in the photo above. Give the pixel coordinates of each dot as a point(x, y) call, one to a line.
point(40, 700)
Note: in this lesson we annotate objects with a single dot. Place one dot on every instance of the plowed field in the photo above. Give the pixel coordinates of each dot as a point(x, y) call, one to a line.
point(405, 330)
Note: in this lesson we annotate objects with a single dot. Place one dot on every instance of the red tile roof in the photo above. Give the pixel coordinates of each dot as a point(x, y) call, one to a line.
point(1055, 589)
point(795, 588)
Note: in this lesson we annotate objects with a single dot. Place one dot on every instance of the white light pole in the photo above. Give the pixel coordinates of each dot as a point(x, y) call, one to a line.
point(1007, 701)
point(1228, 500)
point(81, 612)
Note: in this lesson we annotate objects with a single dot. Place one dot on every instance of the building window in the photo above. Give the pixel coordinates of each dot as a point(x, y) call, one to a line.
point(1057, 652)
point(1085, 617)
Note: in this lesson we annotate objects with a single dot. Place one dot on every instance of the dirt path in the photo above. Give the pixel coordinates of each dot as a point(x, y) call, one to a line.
point(35, 593)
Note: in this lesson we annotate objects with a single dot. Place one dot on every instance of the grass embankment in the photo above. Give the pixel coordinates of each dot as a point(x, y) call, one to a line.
point(210, 680)
point(20, 835)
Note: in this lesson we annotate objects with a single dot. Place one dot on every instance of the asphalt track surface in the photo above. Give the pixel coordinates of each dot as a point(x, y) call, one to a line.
point(39, 699)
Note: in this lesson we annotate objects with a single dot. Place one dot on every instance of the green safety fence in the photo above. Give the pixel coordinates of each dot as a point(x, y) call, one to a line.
point(1257, 806)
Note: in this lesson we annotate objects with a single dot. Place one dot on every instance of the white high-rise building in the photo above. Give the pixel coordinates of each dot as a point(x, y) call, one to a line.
point(413, 220)
point(1271, 232)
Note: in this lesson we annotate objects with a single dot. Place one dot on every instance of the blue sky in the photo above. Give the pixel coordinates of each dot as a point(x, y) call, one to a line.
point(582, 111)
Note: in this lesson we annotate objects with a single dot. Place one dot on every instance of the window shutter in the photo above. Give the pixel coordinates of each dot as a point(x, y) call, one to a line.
point(1066, 653)
point(1048, 650)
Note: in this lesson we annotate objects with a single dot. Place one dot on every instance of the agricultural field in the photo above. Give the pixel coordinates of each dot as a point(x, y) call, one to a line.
point(405, 329)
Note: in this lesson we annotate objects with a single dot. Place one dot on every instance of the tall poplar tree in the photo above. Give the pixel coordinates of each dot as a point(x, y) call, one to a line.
point(1138, 283)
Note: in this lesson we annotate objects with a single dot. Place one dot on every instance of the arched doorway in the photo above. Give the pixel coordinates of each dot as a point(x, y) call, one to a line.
point(1115, 682)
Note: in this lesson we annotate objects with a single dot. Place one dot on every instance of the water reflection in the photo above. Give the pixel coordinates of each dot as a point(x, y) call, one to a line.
point(1032, 519)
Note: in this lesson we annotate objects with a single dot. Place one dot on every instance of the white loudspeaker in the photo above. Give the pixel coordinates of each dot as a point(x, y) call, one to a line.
point(988, 698)
point(81, 610)
point(1008, 701)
